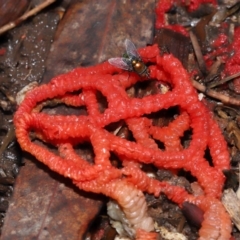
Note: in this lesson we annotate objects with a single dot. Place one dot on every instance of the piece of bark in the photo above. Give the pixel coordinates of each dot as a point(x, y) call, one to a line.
point(175, 43)
point(45, 205)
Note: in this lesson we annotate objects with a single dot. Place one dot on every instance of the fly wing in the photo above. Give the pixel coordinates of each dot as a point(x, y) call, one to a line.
point(119, 63)
point(131, 49)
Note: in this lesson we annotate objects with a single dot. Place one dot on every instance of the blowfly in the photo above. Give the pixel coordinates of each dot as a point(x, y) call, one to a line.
point(131, 60)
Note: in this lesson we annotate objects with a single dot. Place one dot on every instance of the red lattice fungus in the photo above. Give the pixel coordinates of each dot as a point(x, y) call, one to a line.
point(126, 184)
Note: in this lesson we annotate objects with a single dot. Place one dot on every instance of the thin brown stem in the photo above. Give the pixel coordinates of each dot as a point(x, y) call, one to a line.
point(198, 53)
point(214, 94)
point(227, 79)
point(30, 13)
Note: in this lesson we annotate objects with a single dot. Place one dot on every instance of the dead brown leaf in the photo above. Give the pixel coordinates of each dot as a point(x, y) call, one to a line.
point(9, 10)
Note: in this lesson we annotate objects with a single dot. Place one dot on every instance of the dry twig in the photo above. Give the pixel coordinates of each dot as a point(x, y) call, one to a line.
point(214, 94)
point(229, 78)
point(30, 13)
point(213, 72)
point(198, 53)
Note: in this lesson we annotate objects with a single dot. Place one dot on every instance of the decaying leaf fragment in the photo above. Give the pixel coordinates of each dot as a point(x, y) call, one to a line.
point(169, 235)
point(234, 133)
point(232, 205)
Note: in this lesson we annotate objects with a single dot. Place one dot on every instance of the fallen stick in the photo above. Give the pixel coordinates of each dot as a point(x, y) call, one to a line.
point(30, 13)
